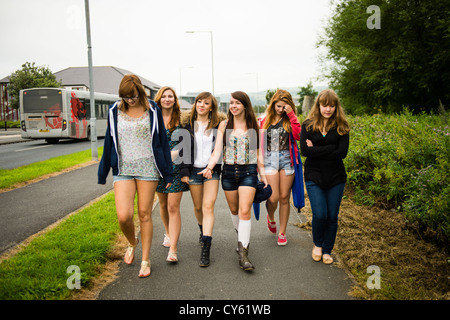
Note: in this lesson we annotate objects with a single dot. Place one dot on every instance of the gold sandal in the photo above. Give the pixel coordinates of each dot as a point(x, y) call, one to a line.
point(172, 257)
point(130, 252)
point(144, 265)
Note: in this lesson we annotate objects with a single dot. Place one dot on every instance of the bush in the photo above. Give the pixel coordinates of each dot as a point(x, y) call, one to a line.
point(9, 124)
point(402, 162)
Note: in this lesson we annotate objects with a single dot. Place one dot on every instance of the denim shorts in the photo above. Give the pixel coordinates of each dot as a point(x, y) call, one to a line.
point(235, 176)
point(121, 178)
point(275, 161)
point(196, 179)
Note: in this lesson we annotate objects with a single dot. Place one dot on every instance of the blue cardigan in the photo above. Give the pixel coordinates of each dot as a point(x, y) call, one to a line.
point(160, 145)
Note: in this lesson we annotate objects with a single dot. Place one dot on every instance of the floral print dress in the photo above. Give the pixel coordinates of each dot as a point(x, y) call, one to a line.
point(177, 185)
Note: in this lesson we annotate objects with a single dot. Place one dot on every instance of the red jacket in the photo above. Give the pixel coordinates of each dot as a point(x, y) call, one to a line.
point(296, 129)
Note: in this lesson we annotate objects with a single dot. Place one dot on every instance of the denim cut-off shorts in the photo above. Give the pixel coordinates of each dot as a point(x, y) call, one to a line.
point(235, 176)
point(196, 179)
point(275, 161)
point(121, 178)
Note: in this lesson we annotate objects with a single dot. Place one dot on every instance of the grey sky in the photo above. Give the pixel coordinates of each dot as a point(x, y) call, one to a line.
point(273, 41)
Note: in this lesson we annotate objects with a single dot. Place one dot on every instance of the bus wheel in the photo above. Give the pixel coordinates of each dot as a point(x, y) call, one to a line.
point(52, 140)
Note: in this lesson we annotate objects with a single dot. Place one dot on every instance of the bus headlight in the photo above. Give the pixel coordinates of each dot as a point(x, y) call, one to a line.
point(64, 125)
point(23, 126)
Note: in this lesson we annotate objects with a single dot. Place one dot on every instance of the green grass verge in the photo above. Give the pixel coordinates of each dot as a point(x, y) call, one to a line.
point(39, 271)
point(10, 177)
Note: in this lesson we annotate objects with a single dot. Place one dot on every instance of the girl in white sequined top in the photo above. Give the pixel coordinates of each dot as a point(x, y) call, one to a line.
point(137, 149)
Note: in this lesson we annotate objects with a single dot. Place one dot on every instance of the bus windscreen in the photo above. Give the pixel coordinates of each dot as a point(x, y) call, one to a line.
point(42, 100)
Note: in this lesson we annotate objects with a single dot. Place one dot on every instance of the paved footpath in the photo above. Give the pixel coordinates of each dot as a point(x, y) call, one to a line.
point(282, 273)
point(30, 209)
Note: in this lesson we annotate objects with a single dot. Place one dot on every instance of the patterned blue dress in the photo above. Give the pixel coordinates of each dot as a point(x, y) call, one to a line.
point(177, 185)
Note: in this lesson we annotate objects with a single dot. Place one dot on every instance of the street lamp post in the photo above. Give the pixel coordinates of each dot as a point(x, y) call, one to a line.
point(93, 127)
point(212, 55)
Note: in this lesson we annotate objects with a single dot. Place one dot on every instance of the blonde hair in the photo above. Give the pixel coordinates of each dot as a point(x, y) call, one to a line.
point(214, 114)
point(280, 95)
point(338, 120)
point(176, 111)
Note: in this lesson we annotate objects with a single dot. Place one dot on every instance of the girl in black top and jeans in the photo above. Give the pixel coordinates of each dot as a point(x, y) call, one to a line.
point(324, 140)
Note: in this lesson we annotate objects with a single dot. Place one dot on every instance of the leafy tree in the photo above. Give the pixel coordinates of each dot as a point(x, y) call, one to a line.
point(404, 63)
point(306, 91)
point(269, 95)
point(30, 76)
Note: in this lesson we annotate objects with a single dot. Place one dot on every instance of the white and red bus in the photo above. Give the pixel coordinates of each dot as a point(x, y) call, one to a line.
point(55, 113)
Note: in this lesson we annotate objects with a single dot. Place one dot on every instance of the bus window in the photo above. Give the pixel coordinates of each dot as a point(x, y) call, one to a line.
point(39, 101)
point(87, 104)
point(98, 111)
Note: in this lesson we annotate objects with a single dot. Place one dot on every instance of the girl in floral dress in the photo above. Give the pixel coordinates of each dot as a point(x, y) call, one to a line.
point(170, 198)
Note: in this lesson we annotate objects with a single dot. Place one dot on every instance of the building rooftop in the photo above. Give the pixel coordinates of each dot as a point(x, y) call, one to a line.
point(106, 79)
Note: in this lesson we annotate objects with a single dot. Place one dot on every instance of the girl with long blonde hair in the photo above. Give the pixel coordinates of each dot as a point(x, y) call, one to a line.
point(280, 128)
point(202, 122)
point(170, 198)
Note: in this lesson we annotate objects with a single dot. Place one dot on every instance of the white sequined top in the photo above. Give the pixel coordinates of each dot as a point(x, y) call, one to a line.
point(135, 146)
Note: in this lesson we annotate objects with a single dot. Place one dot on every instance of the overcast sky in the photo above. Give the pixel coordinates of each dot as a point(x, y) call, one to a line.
point(272, 41)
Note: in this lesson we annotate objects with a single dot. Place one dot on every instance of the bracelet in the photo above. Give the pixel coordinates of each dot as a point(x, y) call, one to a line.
point(208, 168)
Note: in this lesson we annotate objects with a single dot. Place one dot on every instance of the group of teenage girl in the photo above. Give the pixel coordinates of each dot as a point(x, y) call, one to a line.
point(153, 148)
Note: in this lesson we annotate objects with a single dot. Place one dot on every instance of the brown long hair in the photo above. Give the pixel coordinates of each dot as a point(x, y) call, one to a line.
point(280, 95)
point(176, 110)
point(213, 115)
point(130, 86)
point(338, 120)
point(250, 118)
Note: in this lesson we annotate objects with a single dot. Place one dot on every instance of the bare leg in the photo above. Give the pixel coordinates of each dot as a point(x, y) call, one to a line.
point(174, 200)
point(146, 193)
point(285, 194)
point(124, 194)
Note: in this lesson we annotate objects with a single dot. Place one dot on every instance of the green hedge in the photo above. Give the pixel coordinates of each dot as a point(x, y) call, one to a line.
point(402, 162)
point(9, 124)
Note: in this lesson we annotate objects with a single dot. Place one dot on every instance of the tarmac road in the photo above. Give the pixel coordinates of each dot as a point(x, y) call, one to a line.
point(16, 152)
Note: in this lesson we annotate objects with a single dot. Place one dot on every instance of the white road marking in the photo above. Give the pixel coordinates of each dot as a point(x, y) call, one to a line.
point(33, 148)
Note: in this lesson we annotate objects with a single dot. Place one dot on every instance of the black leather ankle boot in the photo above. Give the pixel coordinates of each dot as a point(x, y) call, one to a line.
point(204, 257)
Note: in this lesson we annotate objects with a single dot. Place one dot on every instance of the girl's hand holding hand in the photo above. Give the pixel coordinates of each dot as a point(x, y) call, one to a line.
point(207, 173)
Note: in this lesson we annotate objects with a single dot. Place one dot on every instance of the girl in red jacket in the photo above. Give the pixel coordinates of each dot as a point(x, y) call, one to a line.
point(280, 126)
